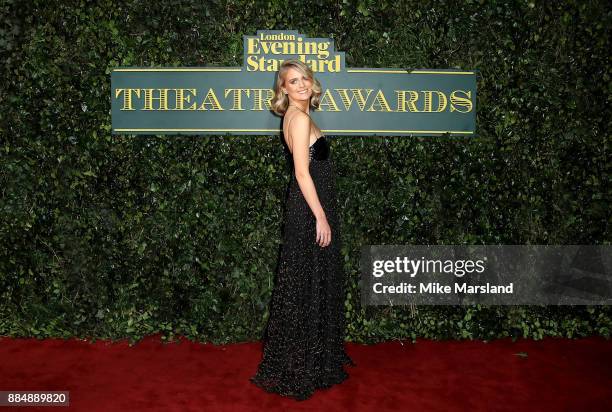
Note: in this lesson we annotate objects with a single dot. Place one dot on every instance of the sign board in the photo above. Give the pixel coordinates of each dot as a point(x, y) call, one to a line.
point(236, 100)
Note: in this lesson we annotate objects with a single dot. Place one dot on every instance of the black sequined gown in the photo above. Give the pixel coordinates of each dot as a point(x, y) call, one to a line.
point(303, 345)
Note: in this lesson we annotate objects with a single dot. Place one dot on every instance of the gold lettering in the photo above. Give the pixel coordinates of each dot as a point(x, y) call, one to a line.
point(212, 100)
point(356, 95)
point(251, 44)
point(253, 63)
point(351, 100)
point(427, 101)
point(260, 102)
point(148, 99)
point(380, 100)
point(181, 99)
point(461, 101)
point(411, 102)
point(127, 97)
point(327, 100)
point(428, 104)
point(442, 101)
point(237, 97)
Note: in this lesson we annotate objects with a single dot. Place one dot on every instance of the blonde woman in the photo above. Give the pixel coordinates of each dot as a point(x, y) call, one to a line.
point(303, 345)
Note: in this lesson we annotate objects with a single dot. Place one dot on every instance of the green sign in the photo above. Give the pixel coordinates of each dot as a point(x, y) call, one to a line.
point(236, 100)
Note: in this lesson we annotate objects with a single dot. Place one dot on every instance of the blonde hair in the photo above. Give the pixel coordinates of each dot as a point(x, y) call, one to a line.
point(280, 101)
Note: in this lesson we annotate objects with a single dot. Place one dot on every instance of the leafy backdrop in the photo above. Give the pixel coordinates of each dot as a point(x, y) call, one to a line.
point(107, 236)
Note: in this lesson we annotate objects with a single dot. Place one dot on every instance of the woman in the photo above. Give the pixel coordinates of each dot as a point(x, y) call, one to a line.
point(304, 339)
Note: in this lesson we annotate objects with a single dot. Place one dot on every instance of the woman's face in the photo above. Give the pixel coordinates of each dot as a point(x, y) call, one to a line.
point(297, 86)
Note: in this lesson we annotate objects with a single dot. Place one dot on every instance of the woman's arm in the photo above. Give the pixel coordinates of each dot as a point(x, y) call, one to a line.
point(300, 133)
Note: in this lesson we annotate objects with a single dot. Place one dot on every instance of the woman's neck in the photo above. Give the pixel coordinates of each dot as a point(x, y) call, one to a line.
point(303, 106)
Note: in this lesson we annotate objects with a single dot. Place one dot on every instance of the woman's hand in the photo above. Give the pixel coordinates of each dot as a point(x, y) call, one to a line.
point(323, 232)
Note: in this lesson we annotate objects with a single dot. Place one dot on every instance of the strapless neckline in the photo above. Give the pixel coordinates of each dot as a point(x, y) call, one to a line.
point(319, 150)
point(318, 138)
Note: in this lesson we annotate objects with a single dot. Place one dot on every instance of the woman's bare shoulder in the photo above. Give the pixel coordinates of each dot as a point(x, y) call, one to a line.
point(297, 121)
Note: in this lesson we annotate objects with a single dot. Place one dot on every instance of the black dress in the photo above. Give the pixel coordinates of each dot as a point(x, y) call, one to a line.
point(303, 344)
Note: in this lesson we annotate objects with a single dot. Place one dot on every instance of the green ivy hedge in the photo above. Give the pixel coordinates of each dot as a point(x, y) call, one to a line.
point(107, 236)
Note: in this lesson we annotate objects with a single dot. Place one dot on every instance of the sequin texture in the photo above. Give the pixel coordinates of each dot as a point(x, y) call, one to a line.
point(303, 343)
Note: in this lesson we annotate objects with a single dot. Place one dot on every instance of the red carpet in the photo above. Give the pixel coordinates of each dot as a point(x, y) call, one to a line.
point(555, 375)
